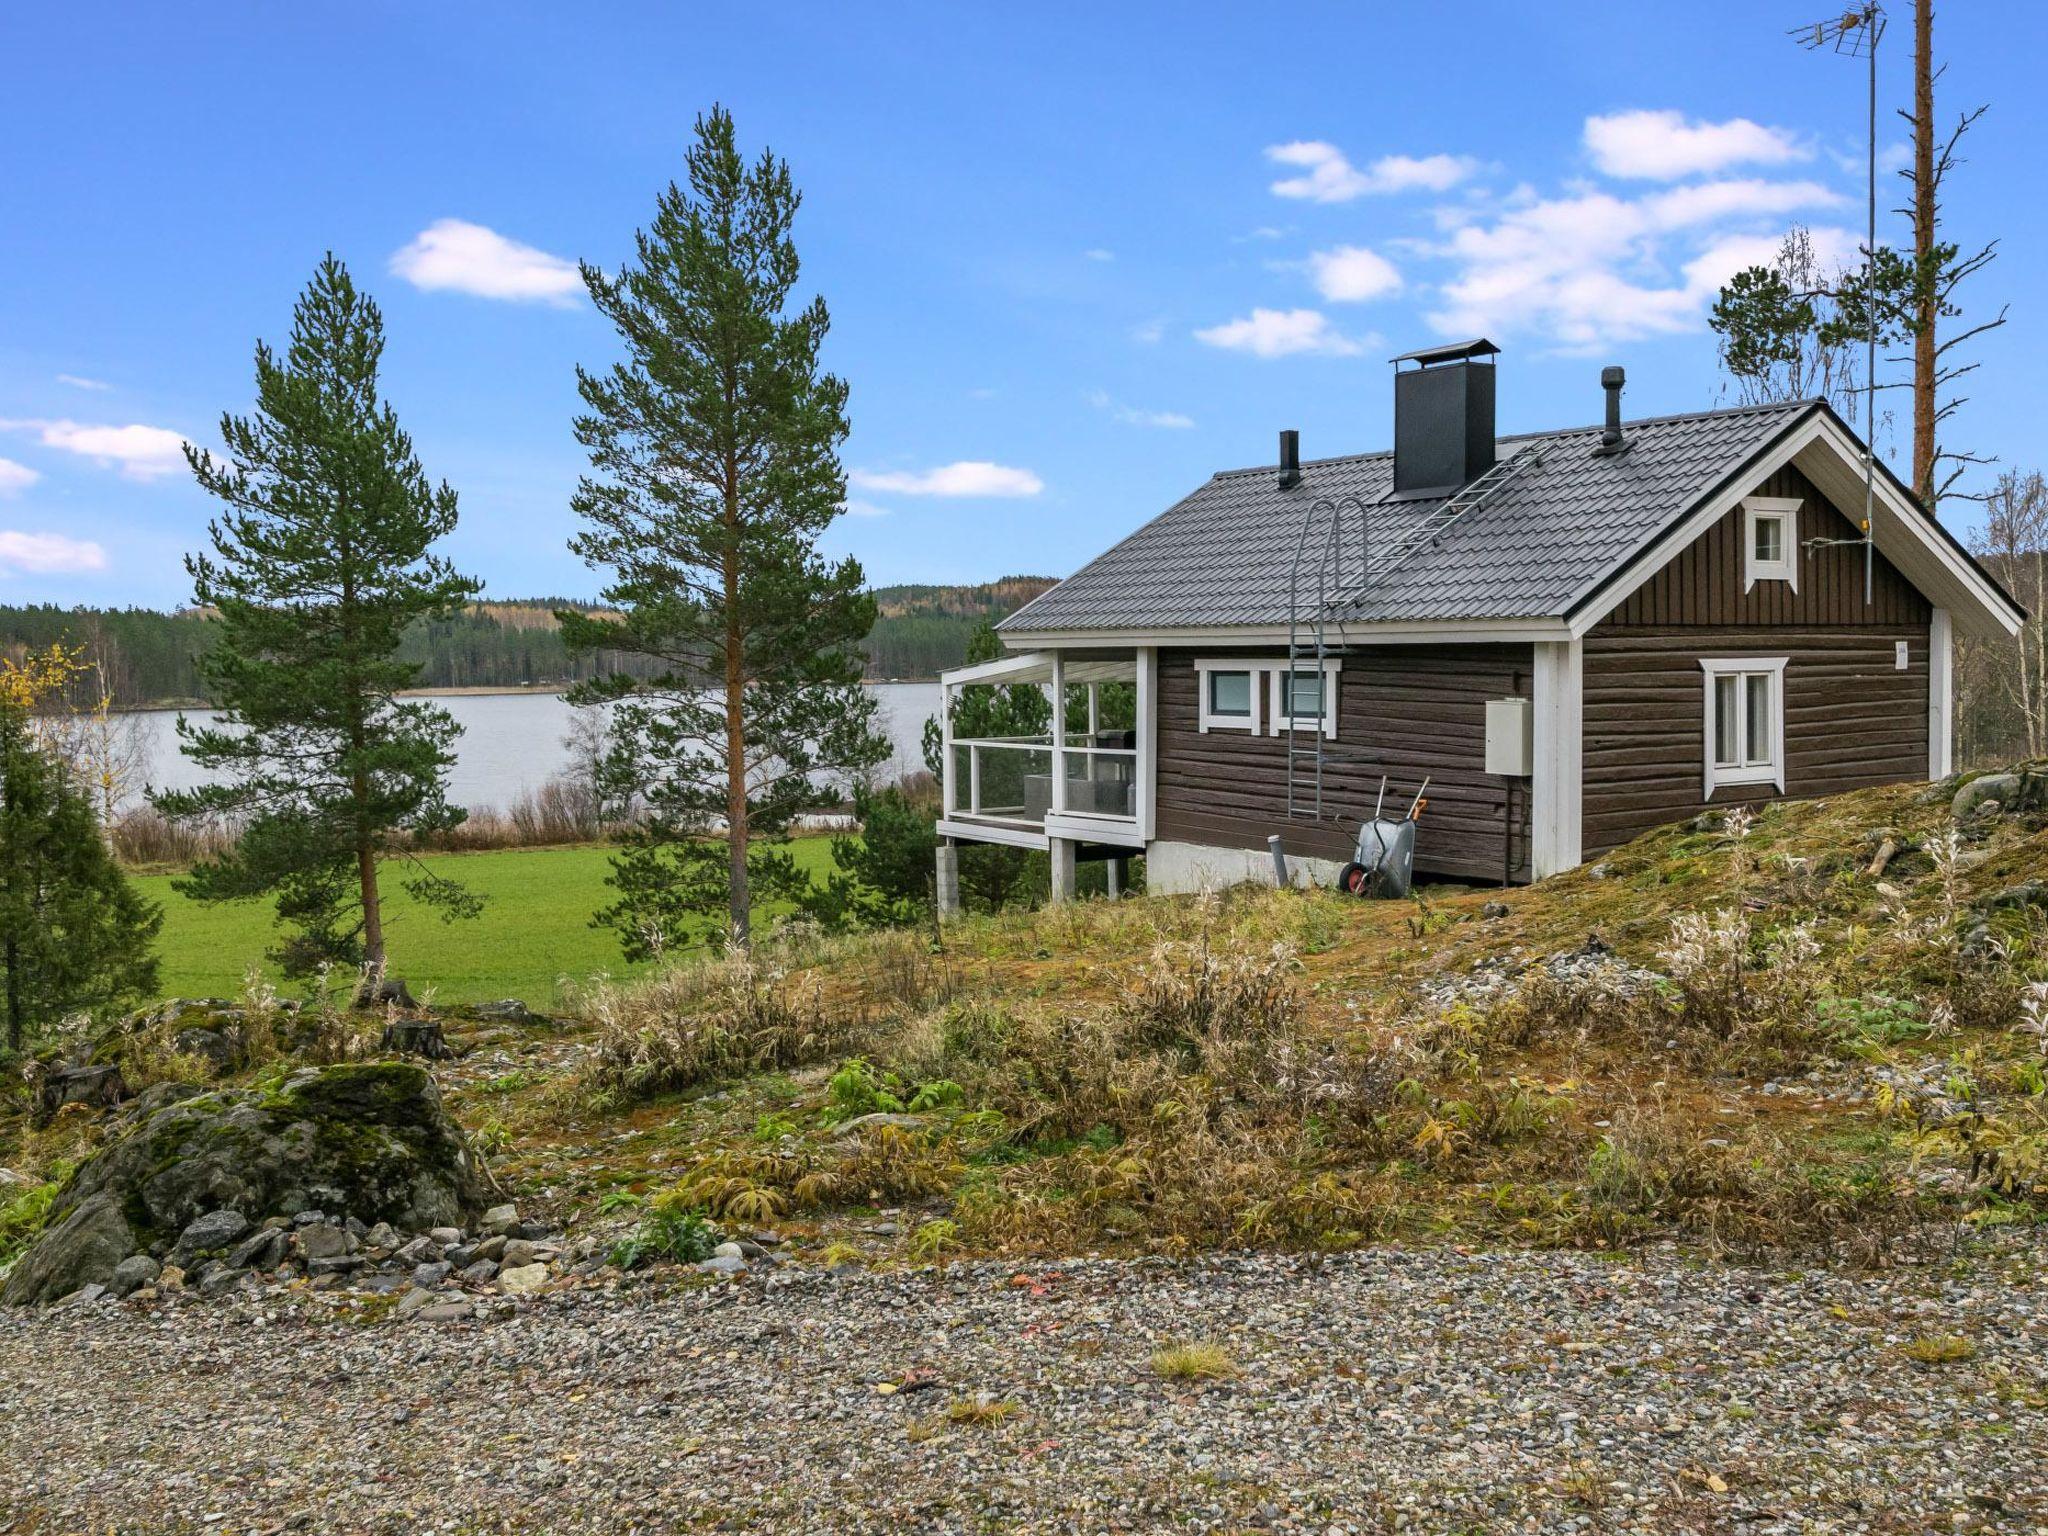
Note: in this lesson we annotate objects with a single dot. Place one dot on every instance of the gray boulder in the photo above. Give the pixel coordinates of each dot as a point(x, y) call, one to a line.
point(84, 1246)
point(371, 1138)
point(211, 1235)
point(132, 1274)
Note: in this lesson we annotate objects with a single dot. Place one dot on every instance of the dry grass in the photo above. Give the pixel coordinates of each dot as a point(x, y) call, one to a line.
point(1938, 1349)
point(1194, 1362)
point(981, 1411)
point(1285, 1069)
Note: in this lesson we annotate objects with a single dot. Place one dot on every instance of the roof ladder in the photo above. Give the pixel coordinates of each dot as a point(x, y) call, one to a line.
point(1320, 551)
point(1390, 555)
point(1308, 642)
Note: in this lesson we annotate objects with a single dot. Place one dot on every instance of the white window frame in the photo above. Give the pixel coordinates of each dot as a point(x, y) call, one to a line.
point(1282, 706)
point(1770, 771)
point(1251, 669)
point(1783, 510)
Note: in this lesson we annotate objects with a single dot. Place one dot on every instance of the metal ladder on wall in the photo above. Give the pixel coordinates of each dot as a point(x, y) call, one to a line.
point(1319, 553)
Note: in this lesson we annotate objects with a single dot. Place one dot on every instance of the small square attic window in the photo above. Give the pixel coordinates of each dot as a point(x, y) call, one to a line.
point(1770, 540)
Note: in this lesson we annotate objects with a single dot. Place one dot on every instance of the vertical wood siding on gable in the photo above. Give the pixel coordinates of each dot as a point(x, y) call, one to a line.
point(1852, 719)
point(1405, 710)
point(1702, 584)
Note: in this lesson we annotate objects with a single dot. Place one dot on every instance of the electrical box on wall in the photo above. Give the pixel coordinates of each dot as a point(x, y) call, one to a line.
point(1510, 737)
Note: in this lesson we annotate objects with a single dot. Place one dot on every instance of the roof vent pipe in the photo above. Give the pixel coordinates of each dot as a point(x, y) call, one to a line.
point(1611, 440)
point(1290, 459)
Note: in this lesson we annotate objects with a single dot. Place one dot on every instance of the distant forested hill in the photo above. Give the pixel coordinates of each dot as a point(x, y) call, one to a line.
point(152, 657)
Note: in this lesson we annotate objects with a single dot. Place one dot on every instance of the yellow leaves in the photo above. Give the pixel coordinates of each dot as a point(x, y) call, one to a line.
point(38, 675)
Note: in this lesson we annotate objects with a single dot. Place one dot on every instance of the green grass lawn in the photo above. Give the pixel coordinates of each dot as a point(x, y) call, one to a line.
point(535, 928)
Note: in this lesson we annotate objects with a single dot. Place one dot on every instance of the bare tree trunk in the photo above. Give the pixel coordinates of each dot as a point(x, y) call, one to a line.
point(740, 905)
point(1926, 301)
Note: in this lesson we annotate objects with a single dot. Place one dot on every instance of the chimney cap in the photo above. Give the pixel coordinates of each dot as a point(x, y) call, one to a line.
point(1613, 377)
point(1450, 352)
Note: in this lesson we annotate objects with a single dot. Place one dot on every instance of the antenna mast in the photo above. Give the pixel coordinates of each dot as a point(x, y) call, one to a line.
point(1854, 34)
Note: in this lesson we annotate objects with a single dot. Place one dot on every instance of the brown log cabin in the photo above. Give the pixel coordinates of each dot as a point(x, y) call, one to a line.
point(1573, 636)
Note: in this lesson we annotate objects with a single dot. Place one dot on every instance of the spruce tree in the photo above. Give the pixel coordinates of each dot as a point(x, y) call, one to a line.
point(74, 935)
point(714, 469)
point(321, 561)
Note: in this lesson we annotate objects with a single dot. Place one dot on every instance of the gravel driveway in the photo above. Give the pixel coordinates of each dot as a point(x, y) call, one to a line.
point(1420, 1390)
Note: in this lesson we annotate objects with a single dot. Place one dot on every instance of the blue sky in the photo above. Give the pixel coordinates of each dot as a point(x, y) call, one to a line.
point(1078, 257)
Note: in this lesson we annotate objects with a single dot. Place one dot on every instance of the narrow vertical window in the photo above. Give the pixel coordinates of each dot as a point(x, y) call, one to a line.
point(1745, 722)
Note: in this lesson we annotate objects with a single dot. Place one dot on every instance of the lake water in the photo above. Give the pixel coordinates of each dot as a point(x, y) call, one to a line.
point(512, 742)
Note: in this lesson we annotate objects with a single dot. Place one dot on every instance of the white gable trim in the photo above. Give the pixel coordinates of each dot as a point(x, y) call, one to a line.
point(1828, 456)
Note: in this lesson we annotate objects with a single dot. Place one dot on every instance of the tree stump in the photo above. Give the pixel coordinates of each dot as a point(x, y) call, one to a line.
point(417, 1037)
point(386, 989)
point(103, 1086)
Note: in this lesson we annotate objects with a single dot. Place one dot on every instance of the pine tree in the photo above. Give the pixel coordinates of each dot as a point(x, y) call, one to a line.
point(321, 561)
point(74, 935)
point(714, 453)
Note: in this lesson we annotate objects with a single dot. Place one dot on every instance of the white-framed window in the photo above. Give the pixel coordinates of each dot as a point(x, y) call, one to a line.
point(1745, 721)
point(1770, 540)
point(1230, 695)
point(1307, 698)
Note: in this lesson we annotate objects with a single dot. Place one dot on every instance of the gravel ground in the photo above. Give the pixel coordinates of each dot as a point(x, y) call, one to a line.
point(1420, 1390)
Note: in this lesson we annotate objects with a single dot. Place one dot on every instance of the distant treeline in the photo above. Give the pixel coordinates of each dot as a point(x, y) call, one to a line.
point(151, 657)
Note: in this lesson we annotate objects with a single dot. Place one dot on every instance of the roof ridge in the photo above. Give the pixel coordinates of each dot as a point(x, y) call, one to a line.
point(1765, 409)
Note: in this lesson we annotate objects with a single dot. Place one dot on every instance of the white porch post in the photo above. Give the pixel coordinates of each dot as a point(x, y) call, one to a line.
point(1941, 691)
point(1148, 736)
point(1557, 785)
point(949, 791)
point(1059, 742)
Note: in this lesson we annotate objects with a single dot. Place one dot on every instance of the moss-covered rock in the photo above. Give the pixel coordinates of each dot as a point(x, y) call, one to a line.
point(369, 1140)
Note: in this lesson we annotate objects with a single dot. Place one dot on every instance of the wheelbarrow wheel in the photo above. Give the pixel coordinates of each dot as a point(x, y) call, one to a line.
point(1353, 879)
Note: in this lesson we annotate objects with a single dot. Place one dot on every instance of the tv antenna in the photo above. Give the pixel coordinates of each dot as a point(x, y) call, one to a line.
point(1855, 34)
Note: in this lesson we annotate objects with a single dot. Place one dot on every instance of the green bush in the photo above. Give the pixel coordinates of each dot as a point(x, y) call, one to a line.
point(670, 1230)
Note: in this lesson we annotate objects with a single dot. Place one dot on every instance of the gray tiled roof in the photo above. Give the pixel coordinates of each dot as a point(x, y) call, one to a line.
point(1225, 554)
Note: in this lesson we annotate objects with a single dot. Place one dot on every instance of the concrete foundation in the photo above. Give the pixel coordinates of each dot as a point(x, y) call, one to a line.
point(946, 886)
point(1177, 868)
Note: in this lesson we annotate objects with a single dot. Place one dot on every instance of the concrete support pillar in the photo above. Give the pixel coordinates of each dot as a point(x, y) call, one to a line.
point(948, 882)
point(1062, 852)
point(1115, 876)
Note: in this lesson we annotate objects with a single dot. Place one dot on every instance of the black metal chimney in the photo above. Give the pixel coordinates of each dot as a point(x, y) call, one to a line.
point(1290, 458)
point(1443, 418)
point(1611, 440)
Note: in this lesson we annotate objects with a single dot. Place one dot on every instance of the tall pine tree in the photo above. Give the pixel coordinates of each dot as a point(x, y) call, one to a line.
point(322, 559)
point(74, 935)
point(714, 455)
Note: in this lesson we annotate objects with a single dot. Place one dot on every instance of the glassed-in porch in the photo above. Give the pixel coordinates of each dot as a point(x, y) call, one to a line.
point(1044, 746)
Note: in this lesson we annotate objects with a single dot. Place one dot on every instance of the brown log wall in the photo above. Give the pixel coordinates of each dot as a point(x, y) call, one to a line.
point(1852, 718)
point(1405, 711)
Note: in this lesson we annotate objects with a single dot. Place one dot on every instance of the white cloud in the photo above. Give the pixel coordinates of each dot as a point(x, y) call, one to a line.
point(965, 477)
point(1132, 416)
point(76, 381)
point(1351, 274)
point(1665, 145)
point(853, 506)
point(1099, 254)
point(1149, 333)
point(48, 554)
point(462, 257)
point(1279, 333)
point(15, 478)
point(1328, 177)
point(140, 453)
point(1590, 268)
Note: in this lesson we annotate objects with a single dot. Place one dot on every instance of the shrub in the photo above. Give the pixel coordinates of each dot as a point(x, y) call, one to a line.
point(699, 1023)
point(22, 1218)
point(672, 1230)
